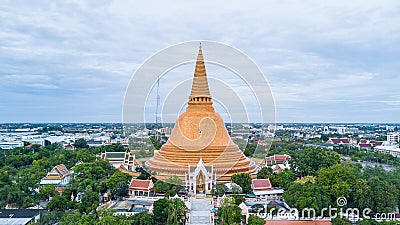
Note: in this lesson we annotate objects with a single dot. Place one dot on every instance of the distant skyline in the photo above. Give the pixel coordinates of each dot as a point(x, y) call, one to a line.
point(326, 62)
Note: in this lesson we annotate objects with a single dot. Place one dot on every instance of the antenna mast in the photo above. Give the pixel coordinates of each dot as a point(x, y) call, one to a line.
point(157, 105)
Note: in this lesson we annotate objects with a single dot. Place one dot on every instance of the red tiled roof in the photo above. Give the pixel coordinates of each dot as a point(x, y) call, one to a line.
point(364, 145)
point(339, 140)
point(261, 184)
point(363, 141)
point(296, 222)
point(60, 189)
point(282, 157)
point(140, 184)
point(376, 143)
point(276, 159)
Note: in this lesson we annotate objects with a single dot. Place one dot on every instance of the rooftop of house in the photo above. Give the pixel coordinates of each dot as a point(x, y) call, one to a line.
point(20, 213)
point(339, 140)
point(141, 184)
point(278, 157)
point(58, 172)
point(142, 202)
point(261, 184)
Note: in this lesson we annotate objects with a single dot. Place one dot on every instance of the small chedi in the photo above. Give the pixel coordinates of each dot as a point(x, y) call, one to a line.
point(200, 150)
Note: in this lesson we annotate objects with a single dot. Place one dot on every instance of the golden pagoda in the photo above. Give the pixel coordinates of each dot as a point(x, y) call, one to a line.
point(200, 137)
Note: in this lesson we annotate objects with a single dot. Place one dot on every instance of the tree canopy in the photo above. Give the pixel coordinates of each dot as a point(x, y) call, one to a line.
point(243, 180)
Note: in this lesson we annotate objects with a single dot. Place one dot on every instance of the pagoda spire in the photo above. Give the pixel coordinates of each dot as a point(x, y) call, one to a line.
point(200, 93)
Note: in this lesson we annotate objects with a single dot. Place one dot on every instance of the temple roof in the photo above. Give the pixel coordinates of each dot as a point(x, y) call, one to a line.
point(200, 97)
point(137, 184)
point(199, 134)
point(200, 83)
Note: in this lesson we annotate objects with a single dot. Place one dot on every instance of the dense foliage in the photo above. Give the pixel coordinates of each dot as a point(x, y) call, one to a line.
point(255, 220)
point(369, 187)
point(229, 213)
point(317, 178)
point(243, 180)
point(169, 211)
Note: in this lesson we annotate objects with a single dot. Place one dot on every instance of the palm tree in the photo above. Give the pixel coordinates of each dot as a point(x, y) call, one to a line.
point(177, 212)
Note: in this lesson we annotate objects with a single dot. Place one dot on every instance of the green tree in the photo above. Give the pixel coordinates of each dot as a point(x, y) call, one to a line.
point(85, 155)
point(341, 221)
point(107, 220)
point(142, 219)
point(384, 195)
point(243, 180)
point(250, 149)
point(306, 195)
point(144, 175)
point(11, 194)
point(169, 187)
point(237, 199)
point(338, 180)
point(117, 177)
point(91, 174)
point(229, 213)
point(120, 190)
point(71, 218)
point(57, 203)
point(284, 178)
point(324, 137)
point(47, 191)
point(156, 142)
point(219, 189)
point(161, 211)
point(265, 172)
point(255, 220)
point(114, 147)
point(174, 180)
point(310, 160)
point(177, 212)
point(89, 201)
point(81, 143)
point(161, 186)
point(362, 194)
point(4, 178)
point(236, 189)
point(376, 190)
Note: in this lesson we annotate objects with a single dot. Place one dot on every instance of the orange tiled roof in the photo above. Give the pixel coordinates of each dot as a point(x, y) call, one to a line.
point(140, 184)
point(57, 173)
point(52, 177)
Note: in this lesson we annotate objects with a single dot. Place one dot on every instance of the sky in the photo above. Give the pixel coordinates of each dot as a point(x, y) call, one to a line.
point(325, 61)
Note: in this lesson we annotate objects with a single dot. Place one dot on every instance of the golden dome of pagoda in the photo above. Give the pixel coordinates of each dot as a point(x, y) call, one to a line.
point(200, 133)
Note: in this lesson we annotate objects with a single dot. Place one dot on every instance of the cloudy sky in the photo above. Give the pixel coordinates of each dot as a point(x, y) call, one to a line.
point(326, 61)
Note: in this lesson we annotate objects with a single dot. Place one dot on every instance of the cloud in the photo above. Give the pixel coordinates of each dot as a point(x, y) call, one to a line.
point(392, 102)
point(325, 61)
point(42, 86)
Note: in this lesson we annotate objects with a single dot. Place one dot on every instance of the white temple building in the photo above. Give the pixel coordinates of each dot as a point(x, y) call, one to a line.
point(200, 179)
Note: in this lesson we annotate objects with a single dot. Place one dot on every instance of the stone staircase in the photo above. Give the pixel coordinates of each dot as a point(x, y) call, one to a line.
point(200, 212)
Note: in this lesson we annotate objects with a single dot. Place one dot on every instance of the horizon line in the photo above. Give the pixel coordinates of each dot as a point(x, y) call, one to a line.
point(254, 122)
